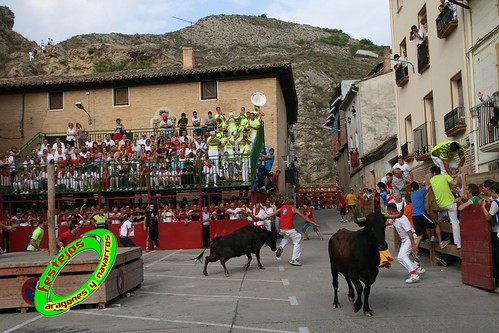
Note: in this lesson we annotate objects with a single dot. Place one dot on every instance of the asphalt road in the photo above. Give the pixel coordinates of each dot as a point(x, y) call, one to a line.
point(176, 297)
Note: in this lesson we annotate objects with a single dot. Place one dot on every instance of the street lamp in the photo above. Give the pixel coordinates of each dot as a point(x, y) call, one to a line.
point(370, 54)
point(80, 106)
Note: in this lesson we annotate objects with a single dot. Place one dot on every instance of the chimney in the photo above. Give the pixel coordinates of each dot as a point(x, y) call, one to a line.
point(387, 62)
point(188, 58)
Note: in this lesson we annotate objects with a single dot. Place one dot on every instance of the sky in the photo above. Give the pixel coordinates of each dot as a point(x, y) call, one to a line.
point(38, 20)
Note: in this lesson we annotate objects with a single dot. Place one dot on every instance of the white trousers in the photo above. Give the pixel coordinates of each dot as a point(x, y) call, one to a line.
point(403, 256)
point(456, 228)
point(438, 162)
point(291, 235)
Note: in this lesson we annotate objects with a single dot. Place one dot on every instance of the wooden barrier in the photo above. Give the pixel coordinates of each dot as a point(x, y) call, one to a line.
point(324, 196)
point(19, 273)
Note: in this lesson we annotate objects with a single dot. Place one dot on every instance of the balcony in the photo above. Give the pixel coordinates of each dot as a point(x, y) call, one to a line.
point(407, 150)
point(446, 23)
point(402, 76)
point(424, 140)
point(454, 122)
point(423, 58)
point(488, 124)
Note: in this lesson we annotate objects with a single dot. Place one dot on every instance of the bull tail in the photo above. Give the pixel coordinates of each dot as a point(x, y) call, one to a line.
point(200, 257)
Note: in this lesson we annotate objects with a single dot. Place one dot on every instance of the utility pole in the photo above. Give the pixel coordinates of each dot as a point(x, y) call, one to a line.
point(51, 209)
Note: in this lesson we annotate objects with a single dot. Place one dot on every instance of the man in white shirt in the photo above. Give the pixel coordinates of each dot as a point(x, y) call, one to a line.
point(109, 142)
point(404, 167)
point(233, 211)
point(408, 245)
point(127, 231)
point(417, 35)
point(210, 173)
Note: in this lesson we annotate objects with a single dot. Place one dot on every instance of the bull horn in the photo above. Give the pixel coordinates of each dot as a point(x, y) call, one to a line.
point(395, 216)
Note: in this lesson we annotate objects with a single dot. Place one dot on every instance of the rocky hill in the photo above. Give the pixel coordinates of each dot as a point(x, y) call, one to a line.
point(321, 58)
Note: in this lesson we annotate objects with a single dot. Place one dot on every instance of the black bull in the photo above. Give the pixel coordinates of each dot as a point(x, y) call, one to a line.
point(244, 241)
point(355, 254)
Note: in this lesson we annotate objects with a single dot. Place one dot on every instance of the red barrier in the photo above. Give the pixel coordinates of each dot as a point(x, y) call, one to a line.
point(177, 235)
point(225, 227)
point(19, 239)
point(476, 251)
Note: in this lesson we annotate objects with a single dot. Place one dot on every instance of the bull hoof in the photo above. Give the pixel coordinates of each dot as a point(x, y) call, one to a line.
point(356, 309)
point(351, 299)
point(246, 267)
point(261, 267)
point(227, 274)
point(205, 273)
point(336, 306)
point(368, 313)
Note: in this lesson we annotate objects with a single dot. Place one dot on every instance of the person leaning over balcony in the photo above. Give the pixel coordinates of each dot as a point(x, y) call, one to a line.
point(443, 156)
point(417, 35)
point(490, 188)
point(119, 130)
point(71, 134)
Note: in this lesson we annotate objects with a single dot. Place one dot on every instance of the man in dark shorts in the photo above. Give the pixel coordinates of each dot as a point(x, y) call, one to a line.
point(152, 225)
point(420, 219)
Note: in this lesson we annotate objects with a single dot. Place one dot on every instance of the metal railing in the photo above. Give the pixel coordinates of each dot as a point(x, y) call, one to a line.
point(407, 150)
point(446, 22)
point(423, 58)
point(487, 113)
point(424, 139)
point(454, 118)
point(401, 75)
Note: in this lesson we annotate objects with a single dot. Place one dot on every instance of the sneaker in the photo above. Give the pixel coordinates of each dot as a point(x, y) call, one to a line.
point(434, 239)
point(294, 262)
point(441, 262)
point(420, 271)
point(278, 252)
point(443, 244)
point(412, 279)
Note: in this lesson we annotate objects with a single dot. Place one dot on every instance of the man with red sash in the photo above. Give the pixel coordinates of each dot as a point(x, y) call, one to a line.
point(287, 229)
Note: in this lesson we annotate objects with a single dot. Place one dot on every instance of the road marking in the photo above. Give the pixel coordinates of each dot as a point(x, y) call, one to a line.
point(156, 261)
point(292, 299)
point(304, 329)
point(12, 329)
point(283, 281)
point(281, 268)
point(202, 323)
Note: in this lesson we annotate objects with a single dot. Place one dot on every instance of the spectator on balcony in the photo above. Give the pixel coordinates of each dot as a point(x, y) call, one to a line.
point(167, 125)
point(210, 173)
point(447, 4)
point(182, 122)
point(254, 126)
point(443, 156)
point(417, 35)
point(196, 123)
point(493, 124)
point(81, 135)
point(119, 130)
point(210, 122)
point(71, 134)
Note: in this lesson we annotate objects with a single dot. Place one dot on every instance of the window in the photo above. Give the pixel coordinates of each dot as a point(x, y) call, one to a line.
point(456, 85)
point(120, 97)
point(209, 90)
point(55, 100)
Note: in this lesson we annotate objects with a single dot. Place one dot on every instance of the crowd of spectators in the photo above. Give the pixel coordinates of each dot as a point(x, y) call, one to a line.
point(174, 155)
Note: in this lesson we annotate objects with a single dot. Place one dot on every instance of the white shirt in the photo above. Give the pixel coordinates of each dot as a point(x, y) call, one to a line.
point(404, 168)
point(233, 213)
point(126, 229)
point(403, 226)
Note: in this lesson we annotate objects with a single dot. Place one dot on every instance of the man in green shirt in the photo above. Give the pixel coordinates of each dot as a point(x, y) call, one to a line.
point(37, 236)
point(444, 153)
point(441, 185)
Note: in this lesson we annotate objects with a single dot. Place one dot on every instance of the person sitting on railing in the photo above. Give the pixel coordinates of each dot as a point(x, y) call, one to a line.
point(182, 122)
point(196, 123)
point(119, 130)
point(167, 125)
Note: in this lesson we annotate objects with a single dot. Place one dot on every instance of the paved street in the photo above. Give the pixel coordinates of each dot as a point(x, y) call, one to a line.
point(176, 297)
